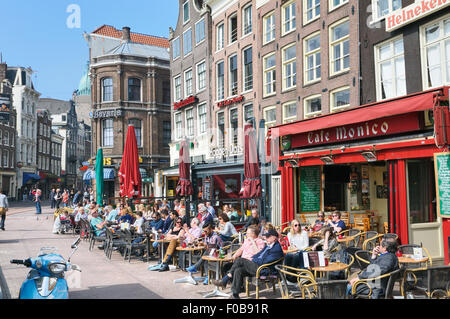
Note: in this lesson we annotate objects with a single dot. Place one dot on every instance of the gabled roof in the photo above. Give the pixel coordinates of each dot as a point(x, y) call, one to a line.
point(110, 31)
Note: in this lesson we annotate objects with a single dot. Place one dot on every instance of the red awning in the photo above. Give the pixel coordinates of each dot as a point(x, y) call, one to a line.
point(411, 103)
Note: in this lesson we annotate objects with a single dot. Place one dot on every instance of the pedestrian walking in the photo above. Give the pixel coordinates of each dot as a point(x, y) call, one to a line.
point(52, 199)
point(65, 198)
point(3, 209)
point(37, 199)
point(58, 198)
point(77, 198)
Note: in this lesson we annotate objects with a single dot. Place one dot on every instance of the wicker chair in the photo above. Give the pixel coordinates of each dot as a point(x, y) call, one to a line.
point(372, 239)
point(363, 258)
point(371, 283)
point(326, 289)
point(271, 278)
point(433, 282)
point(130, 246)
point(355, 235)
point(303, 277)
point(112, 242)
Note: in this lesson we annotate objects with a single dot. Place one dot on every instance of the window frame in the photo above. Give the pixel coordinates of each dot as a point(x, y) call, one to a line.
point(269, 15)
point(188, 121)
point(230, 83)
point(340, 41)
point(245, 18)
point(332, 7)
point(244, 88)
point(178, 130)
point(218, 96)
point(234, 132)
point(176, 40)
point(102, 81)
point(264, 113)
point(305, 106)
point(313, 53)
point(271, 69)
point(332, 99)
point(184, 42)
point(110, 133)
point(375, 13)
point(284, 64)
point(198, 77)
point(175, 88)
point(141, 135)
point(220, 26)
point(202, 119)
point(392, 59)
point(305, 12)
point(186, 2)
point(204, 31)
point(230, 30)
point(140, 89)
point(186, 94)
point(423, 54)
point(293, 18)
point(291, 118)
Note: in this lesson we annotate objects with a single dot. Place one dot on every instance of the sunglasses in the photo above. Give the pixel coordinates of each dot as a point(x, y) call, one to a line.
point(296, 225)
point(334, 215)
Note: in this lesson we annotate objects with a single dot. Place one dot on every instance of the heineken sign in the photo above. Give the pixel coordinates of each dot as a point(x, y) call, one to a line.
point(101, 114)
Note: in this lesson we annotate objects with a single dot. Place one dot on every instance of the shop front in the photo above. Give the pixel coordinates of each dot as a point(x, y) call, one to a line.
point(377, 160)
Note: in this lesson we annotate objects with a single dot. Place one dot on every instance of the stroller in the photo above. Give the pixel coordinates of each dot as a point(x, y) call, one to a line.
point(62, 224)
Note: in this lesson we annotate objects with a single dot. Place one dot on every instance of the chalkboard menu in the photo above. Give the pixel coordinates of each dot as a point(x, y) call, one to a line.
point(310, 179)
point(442, 173)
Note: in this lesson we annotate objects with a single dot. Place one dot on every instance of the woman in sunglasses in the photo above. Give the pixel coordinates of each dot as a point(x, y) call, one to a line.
point(320, 221)
point(174, 235)
point(336, 223)
point(299, 239)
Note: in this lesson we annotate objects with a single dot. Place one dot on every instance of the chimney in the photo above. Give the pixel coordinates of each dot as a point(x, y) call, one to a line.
point(126, 34)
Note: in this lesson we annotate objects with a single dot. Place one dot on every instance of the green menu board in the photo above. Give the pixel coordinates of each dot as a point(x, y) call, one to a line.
point(442, 173)
point(310, 180)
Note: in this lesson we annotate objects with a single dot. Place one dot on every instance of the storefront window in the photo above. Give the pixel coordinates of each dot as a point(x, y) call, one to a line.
point(422, 194)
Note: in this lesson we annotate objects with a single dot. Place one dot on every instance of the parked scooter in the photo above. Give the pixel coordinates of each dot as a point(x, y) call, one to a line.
point(46, 279)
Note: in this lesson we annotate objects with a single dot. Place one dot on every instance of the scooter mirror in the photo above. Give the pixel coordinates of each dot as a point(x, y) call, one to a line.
point(75, 267)
point(75, 244)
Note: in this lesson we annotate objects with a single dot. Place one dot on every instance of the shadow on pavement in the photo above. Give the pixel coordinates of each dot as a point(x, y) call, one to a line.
point(12, 241)
point(131, 291)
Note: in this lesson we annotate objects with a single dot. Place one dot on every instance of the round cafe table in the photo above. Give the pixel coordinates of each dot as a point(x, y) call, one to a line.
point(334, 266)
point(190, 250)
point(290, 250)
point(189, 279)
point(218, 262)
point(408, 259)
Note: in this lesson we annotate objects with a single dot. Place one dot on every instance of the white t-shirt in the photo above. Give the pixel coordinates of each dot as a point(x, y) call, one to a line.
point(300, 241)
point(138, 224)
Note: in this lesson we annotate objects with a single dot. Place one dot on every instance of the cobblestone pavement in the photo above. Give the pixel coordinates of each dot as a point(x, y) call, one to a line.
point(100, 278)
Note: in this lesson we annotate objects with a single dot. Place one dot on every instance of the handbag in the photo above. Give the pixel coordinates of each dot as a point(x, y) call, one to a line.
point(2, 211)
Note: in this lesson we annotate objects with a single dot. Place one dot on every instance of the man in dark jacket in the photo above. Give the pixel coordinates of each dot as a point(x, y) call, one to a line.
point(383, 261)
point(243, 267)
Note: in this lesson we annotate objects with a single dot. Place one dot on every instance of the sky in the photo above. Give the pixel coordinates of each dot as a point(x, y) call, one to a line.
point(47, 35)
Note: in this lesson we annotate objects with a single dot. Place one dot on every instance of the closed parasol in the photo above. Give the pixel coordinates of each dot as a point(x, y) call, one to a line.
point(129, 175)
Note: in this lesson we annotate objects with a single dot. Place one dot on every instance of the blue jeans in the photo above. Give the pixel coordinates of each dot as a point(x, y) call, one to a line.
point(2, 220)
point(38, 208)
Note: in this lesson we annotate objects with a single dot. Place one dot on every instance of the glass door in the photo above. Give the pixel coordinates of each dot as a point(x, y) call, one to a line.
point(425, 227)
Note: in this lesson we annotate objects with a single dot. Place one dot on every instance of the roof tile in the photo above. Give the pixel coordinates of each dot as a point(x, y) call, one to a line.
point(110, 31)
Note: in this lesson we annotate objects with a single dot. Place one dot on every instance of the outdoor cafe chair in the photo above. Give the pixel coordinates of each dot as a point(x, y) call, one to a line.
point(372, 239)
point(94, 238)
point(112, 242)
point(299, 275)
point(362, 258)
point(354, 236)
point(374, 282)
point(262, 277)
point(431, 283)
point(326, 289)
point(130, 246)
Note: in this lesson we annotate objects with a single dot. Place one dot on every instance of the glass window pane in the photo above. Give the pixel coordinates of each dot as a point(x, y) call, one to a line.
point(432, 33)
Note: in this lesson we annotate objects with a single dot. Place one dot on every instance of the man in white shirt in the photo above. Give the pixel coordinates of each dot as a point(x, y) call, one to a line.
point(3, 209)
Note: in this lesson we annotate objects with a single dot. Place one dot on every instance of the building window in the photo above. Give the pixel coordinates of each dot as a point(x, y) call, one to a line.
point(201, 76)
point(311, 10)
point(313, 105)
point(435, 39)
point(178, 126)
point(221, 128)
point(289, 112)
point(269, 65)
point(220, 81)
point(108, 133)
point(177, 83)
point(167, 131)
point(233, 75)
point(200, 31)
point(288, 17)
point(247, 20)
point(270, 117)
point(166, 92)
point(134, 89)
point(5, 158)
point(233, 29)
point(107, 90)
point(390, 69)
point(312, 58)
point(339, 47)
point(234, 126)
point(333, 4)
point(382, 8)
point(339, 99)
point(248, 114)
point(137, 129)
point(176, 48)
point(220, 36)
point(188, 83)
point(201, 112)
point(190, 122)
point(186, 16)
point(187, 42)
point(248, 69)
point(6, 138)
point(269, 28)
point(289, 70)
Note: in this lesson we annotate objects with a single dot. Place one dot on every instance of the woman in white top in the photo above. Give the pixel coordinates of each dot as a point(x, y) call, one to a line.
point(297, 237)
point(226, 229)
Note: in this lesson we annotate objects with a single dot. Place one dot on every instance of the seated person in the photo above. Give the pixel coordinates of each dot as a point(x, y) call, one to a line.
point(253, 219)
point(233, 214)
point(243, 267)
point(211, 241)
point(81, 214)
point(167, 221)
point(112, 215)
point(138, 229)
point(382, 261)
point(156, 223)
point(125, 217)
point(328, 241)
point(320, 221)
point(99, 226)
point(336, 223)
point(225, 229)
point(299, 239)
point(251, 246)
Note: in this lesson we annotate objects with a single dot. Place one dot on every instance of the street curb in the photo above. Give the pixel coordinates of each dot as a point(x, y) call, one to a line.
point(4, 291)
